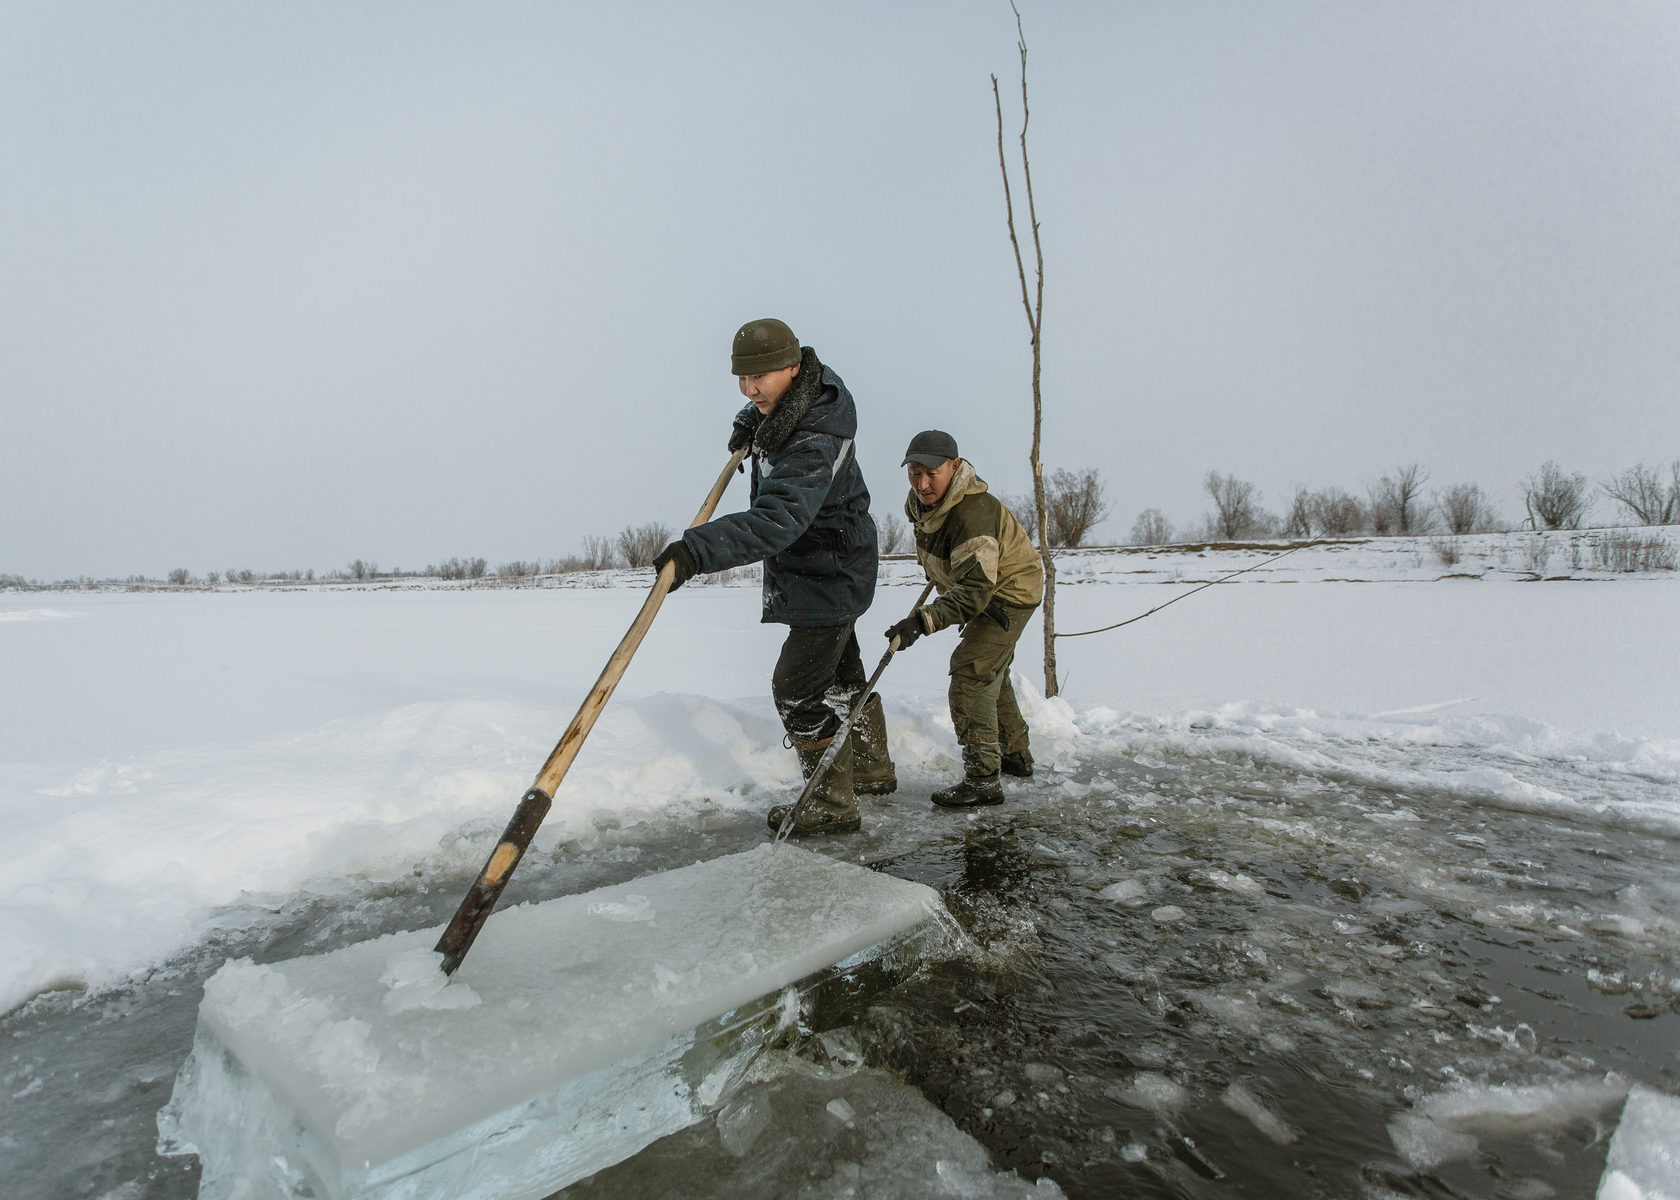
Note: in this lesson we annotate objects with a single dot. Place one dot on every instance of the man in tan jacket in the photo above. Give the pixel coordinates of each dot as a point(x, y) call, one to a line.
point(989, 581)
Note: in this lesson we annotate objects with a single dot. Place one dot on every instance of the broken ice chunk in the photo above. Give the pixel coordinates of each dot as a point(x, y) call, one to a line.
point(595, 1036)
point(1238, 884)
point(1425, 1145)
point(1247, 1105)
point(1155, 1092)
point(1644, 1158)
point(741, 1121)
point(1127, 891)
point(1504, 1110)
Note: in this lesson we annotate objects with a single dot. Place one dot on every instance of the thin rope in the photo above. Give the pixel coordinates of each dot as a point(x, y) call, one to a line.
point(1191, 592)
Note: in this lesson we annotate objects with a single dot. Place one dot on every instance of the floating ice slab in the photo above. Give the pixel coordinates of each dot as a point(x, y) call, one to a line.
point(575, 1033)
point(1644, 1158)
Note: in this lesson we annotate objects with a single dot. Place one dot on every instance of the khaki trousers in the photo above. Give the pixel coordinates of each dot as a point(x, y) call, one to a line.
point(983, 708)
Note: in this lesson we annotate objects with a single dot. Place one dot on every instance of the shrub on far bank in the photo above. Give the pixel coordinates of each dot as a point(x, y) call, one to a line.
point(1645, 495)
point(459, 568)
point(1465, 508)
point(638, 545)
point(1556, 499)
point(1151, 528)
point(1631, 550)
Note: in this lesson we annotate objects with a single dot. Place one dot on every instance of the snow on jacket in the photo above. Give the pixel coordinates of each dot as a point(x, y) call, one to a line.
point(809, 521)
point(976, 553)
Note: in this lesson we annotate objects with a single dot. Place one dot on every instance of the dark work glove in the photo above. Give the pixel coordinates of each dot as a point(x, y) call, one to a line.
point(740, 434)
point(682, 558)
point(907, 630)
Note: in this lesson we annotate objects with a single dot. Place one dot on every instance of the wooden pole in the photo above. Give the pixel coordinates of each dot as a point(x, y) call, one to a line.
point(1033, 302)
point(839, 739)
point(481, 898)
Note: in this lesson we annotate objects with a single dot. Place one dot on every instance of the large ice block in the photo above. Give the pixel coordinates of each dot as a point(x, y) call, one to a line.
point(1644, 1158)
point(576, 1032)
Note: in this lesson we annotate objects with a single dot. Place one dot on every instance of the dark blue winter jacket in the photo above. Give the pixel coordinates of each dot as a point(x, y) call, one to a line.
point(809, 522)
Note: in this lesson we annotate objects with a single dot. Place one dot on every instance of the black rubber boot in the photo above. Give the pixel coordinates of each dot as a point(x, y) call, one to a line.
point(832, 808)
point(1020, 765)
point(973, 791)
point(872, 765)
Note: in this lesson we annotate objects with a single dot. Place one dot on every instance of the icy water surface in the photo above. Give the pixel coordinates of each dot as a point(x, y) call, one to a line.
point(1193, 974)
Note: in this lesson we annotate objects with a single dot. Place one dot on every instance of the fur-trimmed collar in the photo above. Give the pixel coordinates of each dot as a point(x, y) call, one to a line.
point(803, 392)
point(964, 483)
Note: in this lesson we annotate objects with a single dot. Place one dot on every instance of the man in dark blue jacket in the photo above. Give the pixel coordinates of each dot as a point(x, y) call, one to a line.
point(809, 524)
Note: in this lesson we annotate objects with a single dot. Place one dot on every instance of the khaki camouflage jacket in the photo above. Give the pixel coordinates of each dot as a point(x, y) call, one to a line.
point(975, 552)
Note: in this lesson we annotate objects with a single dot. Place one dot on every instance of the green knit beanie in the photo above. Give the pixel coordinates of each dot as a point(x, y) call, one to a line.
point(763, 345)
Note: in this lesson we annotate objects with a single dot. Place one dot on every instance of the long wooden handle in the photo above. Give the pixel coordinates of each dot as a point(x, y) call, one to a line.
point(481, 898)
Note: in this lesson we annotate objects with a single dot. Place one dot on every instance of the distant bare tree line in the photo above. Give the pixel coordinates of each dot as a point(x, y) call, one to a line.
point(1398, 505)
point(1076, 502)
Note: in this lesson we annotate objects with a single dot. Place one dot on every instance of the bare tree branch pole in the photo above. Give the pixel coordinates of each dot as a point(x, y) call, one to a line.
point(1033, 302)
point(1009, 213)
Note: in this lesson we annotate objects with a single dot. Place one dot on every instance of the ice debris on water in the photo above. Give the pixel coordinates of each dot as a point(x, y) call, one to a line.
point(741, 1121)
point(841, 1111)
point(415, 979)
point(1507, 1109)
point(1251, 1108)
point(1127, 891)
point(1168, 913)
point(1155, 1092)
point(1445, 1127)
point(1238, 884)
point(1043, 1075)
point(1424, 1144)
point(842, 1049)
point(1356, 993)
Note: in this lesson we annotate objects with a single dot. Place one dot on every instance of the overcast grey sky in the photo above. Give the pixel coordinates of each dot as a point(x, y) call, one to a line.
point(283, 285)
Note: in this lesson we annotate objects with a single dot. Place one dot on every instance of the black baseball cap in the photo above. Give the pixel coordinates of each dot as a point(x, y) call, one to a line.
point(931, 448)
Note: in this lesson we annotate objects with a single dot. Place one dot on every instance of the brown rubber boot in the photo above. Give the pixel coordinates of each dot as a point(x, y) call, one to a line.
point(972, 791)
point(832, 808)
point(872, 765)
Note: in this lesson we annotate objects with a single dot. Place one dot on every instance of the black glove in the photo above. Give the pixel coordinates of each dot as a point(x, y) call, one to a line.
point(907, 630)
point(741, 433)
point(682, 558)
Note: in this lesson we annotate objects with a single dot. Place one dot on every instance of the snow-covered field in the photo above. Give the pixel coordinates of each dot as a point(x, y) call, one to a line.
point(162, 754)
point(168, 759)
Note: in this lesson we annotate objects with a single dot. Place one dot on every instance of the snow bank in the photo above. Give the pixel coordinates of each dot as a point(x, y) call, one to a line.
point(38, 614)
point(113, 867)
point(164, 756)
